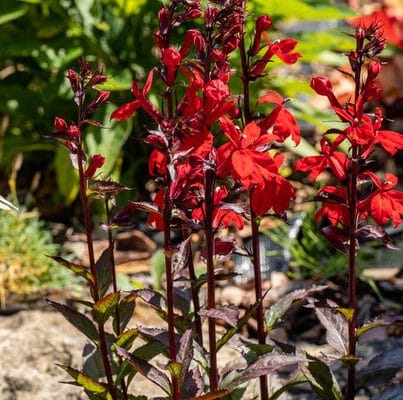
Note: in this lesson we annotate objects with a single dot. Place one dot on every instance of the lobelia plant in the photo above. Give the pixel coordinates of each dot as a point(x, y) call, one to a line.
point(358, 195)
point(196, 175)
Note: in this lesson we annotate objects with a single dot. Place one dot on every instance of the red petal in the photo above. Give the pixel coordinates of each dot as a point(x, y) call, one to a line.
point(126, 111)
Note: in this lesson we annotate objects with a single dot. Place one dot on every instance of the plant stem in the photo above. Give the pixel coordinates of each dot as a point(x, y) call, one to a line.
point(195, 291)
point(112, 262)
point(114, 284)
point(166, 215)
point(352, 299)
point(264, 390)
point(209, 232)
point(90, 246)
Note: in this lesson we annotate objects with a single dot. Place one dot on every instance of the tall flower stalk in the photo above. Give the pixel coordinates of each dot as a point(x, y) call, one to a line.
point(359, 192)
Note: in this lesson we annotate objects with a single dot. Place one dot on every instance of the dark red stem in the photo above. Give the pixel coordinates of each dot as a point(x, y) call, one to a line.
point(352, 298)
point(264, 389)
point(114, 284)
point(166, 215)
point(90, 245)
point(195, 290)
point(211, 305)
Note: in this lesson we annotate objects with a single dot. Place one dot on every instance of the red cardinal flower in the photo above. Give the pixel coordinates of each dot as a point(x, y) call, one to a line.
point(241, 156)
point(283, 122)
point(335, 160)
point(127, 110)
point(385, 204)
point(275, 194)
point(221, 216)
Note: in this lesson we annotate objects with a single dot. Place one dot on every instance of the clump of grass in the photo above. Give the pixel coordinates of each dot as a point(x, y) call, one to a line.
point(25, 243)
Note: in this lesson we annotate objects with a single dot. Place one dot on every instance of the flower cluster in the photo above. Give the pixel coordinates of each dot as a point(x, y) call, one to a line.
point(364, 133)
point(70, 135)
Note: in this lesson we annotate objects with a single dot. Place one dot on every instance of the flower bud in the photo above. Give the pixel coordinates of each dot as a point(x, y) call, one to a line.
point(73, 131)
point(373, 70)
point(97, 161)
point(72, 76)
point(60, 124)
point(263, 23)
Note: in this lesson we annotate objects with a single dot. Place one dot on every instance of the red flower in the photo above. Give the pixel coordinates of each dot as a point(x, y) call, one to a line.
point(60, 125)
point(221, 216)
point(241, 156)
point(335, 160)
point(275, 194)
point(172, 59)
point(127, 110)
point(263, 23)
point(282, 49)
point(335, 213)
point(385, 204)
point(97, 161)
point(283, 122)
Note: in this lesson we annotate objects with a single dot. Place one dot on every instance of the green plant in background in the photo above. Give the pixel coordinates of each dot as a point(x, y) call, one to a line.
point(310, 255)
point(24, 268)
point(40, 40)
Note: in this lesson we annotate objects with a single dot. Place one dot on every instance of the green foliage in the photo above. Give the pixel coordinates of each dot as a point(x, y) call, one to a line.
point(310, 255)
point(24, 244)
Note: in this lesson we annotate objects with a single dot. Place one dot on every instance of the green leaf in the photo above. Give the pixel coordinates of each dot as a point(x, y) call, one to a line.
point(78, 320)
point(77, 269)
point(105, 307)
point(104, 272)
point(321, 379)
point(302, 10)
point(98, 389)
point(297, 380)
point(348, 313)
point(66, 176)
point(157, 268)
point(108, 141)
point(127, 338)
point(174, 368)
point(11, 10)
point(126, 308)
point(112, 85)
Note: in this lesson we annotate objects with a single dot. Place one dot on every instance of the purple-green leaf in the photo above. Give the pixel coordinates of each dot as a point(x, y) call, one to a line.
point(79, 270)
point(100, 390)
point(336, 329)
point(146, 369)
point(264, 365)
point(228, 313)
point(381, 369)
point(78, 320)
point(384, 320)
point(321, 379)
point(105, 307)
point(279, 309)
